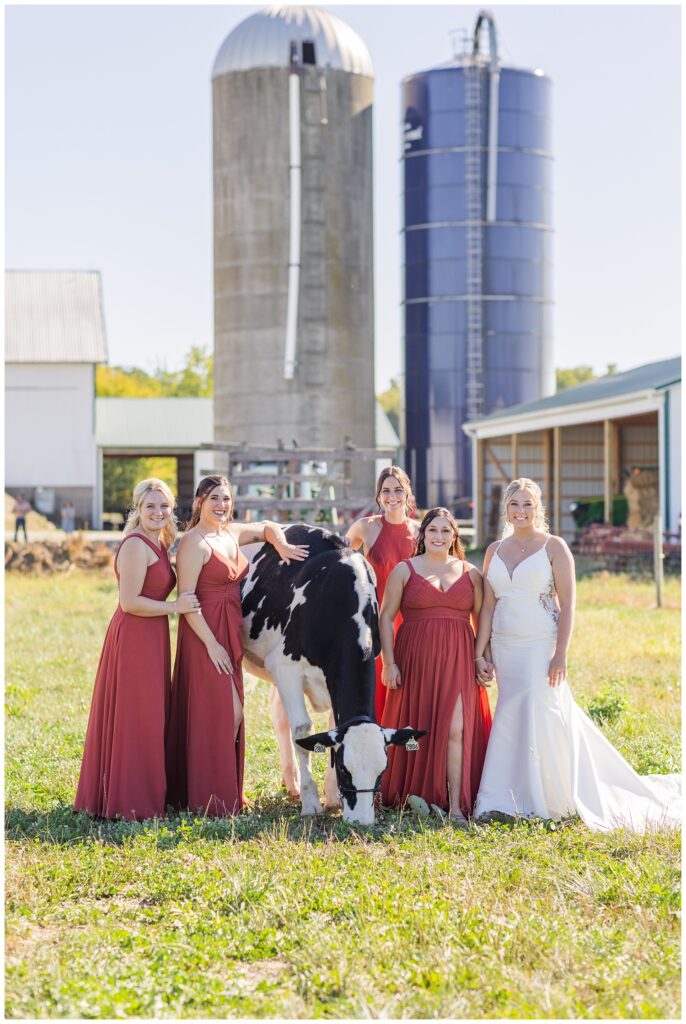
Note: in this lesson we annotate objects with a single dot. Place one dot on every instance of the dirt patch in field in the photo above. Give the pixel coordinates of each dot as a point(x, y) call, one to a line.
point(257, 971)
point(19, 946)
point(43, 558)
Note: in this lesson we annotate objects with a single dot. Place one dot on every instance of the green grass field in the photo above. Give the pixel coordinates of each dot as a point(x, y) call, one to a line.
point(270, 915)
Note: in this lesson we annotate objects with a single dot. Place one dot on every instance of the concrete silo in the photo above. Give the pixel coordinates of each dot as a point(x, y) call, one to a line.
point(293, 286)
point(477, 168)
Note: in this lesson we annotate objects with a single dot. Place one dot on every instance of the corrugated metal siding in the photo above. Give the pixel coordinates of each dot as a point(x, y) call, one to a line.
point(175, 424)
point(582, 469)
point(638, 446)
point(264, 40)
point(497, 470)
point(642, 378)
point(54, 316)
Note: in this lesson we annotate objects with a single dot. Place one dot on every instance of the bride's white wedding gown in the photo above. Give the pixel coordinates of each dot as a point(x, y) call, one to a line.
point(545, 757)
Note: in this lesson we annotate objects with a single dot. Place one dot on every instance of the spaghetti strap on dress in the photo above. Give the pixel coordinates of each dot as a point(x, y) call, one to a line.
point(123, 773)
point(434, 651)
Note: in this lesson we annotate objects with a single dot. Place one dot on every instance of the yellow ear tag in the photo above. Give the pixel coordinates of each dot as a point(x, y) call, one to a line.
point(319, 748)
point(412, 744)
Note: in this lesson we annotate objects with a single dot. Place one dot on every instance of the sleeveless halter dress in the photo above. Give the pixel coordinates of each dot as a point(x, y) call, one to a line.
point(122, 773)
point(435, 654)
point(546, 758)
point(394, 544)
point(204, 764)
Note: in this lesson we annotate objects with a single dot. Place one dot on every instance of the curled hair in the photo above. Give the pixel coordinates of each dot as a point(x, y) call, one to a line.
point(456, 548)
point(403, 479)
point(140, 493)
point(204, 488)
point(523, 483)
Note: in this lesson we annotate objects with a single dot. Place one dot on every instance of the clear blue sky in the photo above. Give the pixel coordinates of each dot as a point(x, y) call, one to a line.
point(108, 163)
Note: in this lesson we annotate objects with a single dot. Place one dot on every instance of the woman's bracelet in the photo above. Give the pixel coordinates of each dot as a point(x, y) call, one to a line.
point(479, 659)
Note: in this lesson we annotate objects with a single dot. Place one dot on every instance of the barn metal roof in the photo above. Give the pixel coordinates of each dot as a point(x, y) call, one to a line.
point(144, 424)
point(264, 41)
point(54, 316)
point(650, 376)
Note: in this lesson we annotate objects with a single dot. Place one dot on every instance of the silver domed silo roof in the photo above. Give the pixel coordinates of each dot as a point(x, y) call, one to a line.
point(264, 40)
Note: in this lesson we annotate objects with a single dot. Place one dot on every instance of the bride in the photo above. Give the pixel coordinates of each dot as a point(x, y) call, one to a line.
point(545, 757)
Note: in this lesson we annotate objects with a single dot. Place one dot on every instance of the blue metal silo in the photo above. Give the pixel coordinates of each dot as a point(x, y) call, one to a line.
point(477, 230)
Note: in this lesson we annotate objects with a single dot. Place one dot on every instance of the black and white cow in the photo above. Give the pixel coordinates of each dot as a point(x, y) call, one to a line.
point(312, 628)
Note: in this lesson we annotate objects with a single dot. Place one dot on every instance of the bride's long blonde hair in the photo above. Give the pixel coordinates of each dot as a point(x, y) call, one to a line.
point(140, 493)
point(523, 483)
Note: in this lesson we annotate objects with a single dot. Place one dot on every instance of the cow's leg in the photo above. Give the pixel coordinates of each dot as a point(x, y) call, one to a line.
point(289, 765)
point(290, 686)
point(332, 798)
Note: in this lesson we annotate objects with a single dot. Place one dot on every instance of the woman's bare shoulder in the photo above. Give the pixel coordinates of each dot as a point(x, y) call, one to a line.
point(558, 546)
point(191, 540)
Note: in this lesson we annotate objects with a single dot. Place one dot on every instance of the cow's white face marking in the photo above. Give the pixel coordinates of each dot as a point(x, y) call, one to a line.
point(365, 593)
point(364, 755)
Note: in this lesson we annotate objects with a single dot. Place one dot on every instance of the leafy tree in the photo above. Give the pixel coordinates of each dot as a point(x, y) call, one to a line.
point(125, 382)
point(195, 379)
point(389, 400)
point(121, 475)
point(575, 375)
point(580, 375)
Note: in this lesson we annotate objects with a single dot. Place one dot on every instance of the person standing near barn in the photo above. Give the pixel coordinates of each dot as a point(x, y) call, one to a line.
point(386, 539)
point(430, 671)
point(122, 773)
point(20, 510)
point(205, 734)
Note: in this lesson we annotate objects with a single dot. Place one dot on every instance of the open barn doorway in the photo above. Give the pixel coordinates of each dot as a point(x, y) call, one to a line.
point(121, 472)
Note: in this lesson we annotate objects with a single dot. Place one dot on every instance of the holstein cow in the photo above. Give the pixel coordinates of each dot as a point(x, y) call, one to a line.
point(312, 628)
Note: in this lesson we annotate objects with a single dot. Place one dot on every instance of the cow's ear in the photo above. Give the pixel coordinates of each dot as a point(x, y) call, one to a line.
point(399, 737)
point(321, 739)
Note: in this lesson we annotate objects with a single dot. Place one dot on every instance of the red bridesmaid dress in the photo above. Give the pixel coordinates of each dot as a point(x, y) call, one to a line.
point(122, 773)
point(394, 544)
point(434, 651)
point(204, 765)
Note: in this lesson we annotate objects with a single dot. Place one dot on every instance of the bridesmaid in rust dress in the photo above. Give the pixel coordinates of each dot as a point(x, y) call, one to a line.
point(430, 672)
point(122, 774)
point(387, 539)
point(205, 735)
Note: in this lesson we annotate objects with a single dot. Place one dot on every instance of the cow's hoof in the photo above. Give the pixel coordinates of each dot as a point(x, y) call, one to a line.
point(308, 812)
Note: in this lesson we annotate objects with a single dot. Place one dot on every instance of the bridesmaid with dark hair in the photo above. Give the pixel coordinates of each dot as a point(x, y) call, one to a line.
point(205, 735)
point(430, 672)
point(387, 539)
point(122, 774)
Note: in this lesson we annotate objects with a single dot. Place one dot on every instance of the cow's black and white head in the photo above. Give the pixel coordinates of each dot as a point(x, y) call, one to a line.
point(359, 755)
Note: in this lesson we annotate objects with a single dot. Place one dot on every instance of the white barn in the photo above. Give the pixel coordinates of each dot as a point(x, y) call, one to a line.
point(54, 337)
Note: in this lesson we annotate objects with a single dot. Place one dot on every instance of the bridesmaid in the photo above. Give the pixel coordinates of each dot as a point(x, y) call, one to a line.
point(122, 774)
point(205, 735)
point(387, 539)
point(431, 672)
